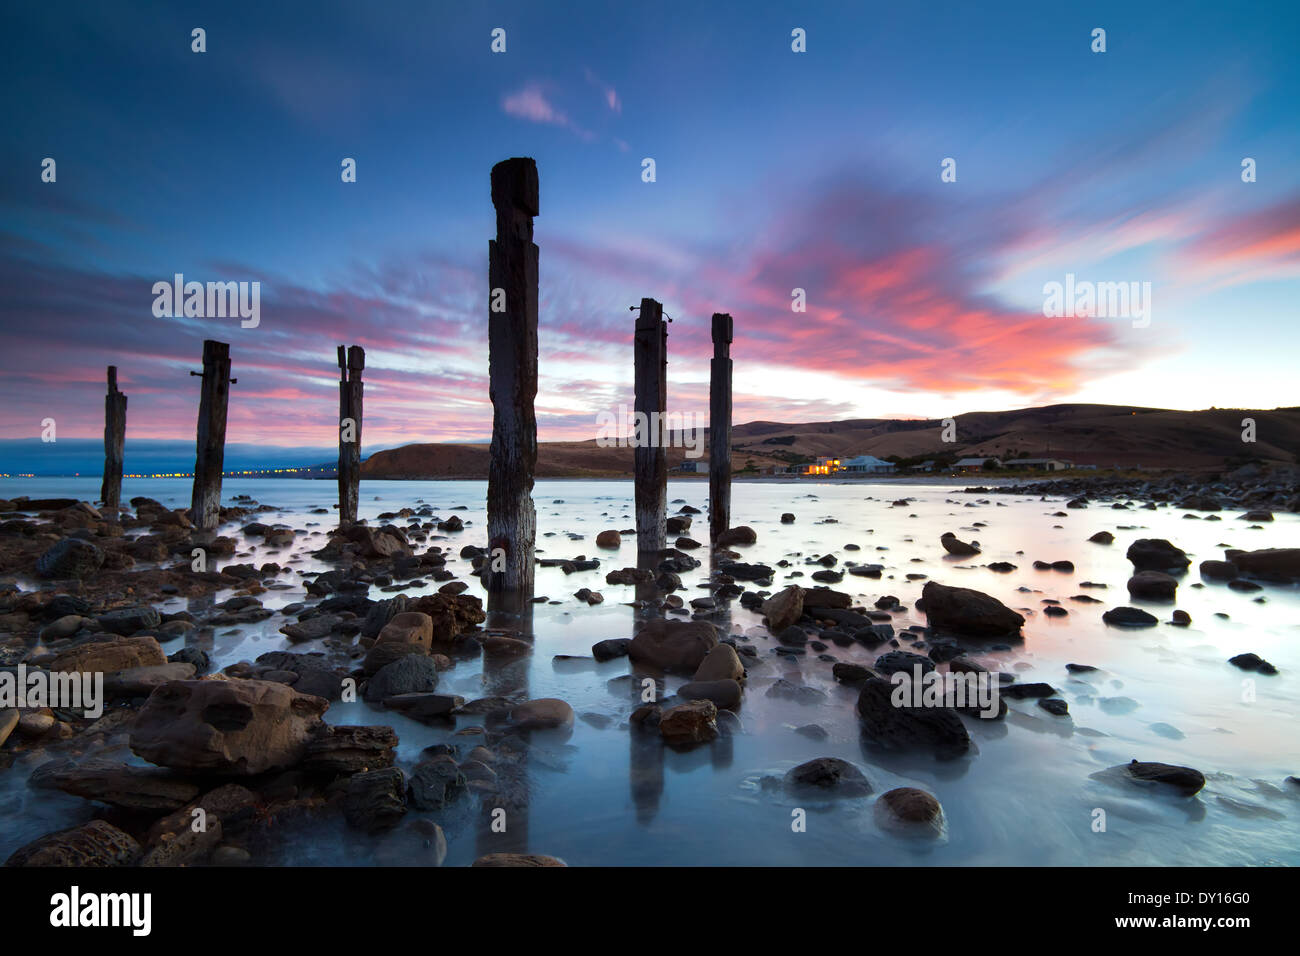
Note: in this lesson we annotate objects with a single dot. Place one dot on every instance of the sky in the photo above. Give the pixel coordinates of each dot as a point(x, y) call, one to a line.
point(775, 170)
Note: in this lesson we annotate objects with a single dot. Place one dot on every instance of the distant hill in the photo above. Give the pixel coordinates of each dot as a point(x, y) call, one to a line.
point(1122, 436)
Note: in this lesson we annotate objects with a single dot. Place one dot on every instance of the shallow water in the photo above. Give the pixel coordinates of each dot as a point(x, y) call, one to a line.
point(1026, 797)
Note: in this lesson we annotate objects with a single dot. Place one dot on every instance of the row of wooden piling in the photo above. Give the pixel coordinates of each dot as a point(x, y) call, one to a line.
point(512, 376)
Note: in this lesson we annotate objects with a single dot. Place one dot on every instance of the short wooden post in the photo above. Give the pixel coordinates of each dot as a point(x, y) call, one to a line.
point(720, 428)
point(512, 379)
point(205, 504)
point(352, 362)
point(650, 349)
point(110, 489)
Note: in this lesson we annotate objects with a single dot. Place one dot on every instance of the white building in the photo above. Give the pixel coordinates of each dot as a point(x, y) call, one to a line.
point(868, 465)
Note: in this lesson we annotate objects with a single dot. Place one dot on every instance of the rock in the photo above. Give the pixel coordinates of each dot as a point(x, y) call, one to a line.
point(436, 783)
point(908, 809)
point(1184, 779)
point(350, 749)
point(689, 723)
point(724, 693)
point(70, 558)
point(118, 654)
point(907, 727)
point(966, 611)
point(1256, 516)
point(721, 663)
point(1156, 554)
point(905, 661)
point(1030, 690)
point(784, 608)
point(827, 776)
point(142, 681)
point(8, 721)
point(847, 672)
point(673, 646)
point(118, 784)
point(608, 539)
point(517, 859)
point(787, 518)
point(1054, 706)
point(1252, 662)
point(409, 674)
point(375, 800)
point(1153, 585)
point(186, 846)
point(424, 706)
point(953, 545)
point(1218, 570)
point(1129, 617)
point(314, 628)
point(408, 627)
point(97, 844)
point(611, 648)
point(238, 727)
point(1102, 537)
point(1272, 564)
point(129, 620)
point(743, 534)
point(545, 713)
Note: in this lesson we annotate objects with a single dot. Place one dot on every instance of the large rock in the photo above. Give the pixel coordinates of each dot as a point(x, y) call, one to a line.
point(673, 646)
point(954, 545)
point(1153, 586)
point(97, 843)
point(608, 539)
point(109, 656)
point(721, 663)
point(938, 729)
point(115, 783)
point(409, 627)
point(742, 534)
point(1274, 564)
point(1156, 554)
point(409, 674)
point(827, 776)
point(725, 694)
point(70, 558)
point(967, 611)
point(908, 809)
point(375, 800)
point(545, 713)
point(350, 749)
point(237, 727)
point(783, 608)
point(128, 620)
point(1129, 617)
point(691, 723)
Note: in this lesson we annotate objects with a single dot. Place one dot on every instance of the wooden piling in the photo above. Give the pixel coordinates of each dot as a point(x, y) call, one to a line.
point(205, 504)
point(720, 428)
point(512, 376)
point(110, 489)
point(650, 347)
point(352, 362)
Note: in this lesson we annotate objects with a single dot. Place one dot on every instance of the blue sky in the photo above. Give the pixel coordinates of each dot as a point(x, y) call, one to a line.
point(775, 170)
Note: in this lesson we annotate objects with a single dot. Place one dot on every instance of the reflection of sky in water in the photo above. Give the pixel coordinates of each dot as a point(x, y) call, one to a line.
point(1027, 797)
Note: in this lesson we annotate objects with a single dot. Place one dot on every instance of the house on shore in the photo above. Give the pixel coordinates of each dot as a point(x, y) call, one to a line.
point(965, 466)
point(868, 465)
point(1038, 464)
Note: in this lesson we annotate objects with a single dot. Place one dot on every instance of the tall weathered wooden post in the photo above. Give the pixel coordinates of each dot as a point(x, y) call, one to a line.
point(352, 362)
point(651, 457)
point(720, 428)
point(512, 380)
point(205, 504)
point(110, 489)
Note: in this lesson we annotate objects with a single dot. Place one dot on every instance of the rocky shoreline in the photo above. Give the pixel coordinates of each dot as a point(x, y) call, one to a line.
point(234, 755)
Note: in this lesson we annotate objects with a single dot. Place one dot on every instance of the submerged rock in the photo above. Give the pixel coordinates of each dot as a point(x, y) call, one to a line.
point(827, 776)
point(1156, 554)
point(908, 727)
point(95, 844)
point(1129, 617)
point(967, 611)
point(673, 646)
point(909, 810)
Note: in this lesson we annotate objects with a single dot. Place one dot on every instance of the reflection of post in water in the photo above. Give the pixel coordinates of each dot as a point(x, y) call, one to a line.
point(505, 674)
point(645, 771)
